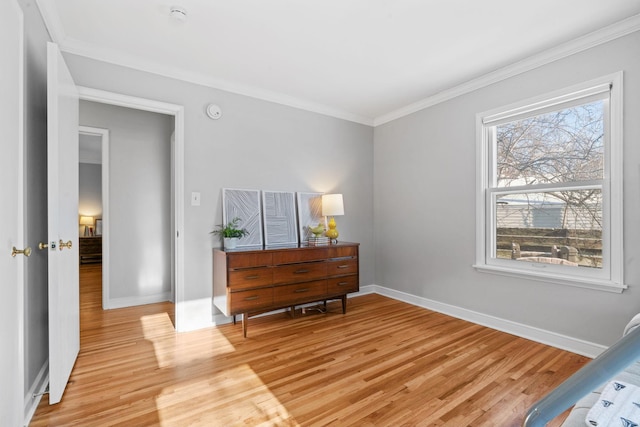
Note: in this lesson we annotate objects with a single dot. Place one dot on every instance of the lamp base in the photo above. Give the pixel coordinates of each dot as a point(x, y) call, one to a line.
point(332, 232)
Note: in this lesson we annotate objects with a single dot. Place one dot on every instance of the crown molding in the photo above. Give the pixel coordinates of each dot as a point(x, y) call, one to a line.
point(604, 35)
point(76, 47)
point(114, 57)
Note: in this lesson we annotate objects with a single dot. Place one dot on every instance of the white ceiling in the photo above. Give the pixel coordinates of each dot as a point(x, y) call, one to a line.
point(362, 60)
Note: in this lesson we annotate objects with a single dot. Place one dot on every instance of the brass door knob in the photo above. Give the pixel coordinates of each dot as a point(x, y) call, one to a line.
point(65, 245)
point(26, 251)
point(42, 245)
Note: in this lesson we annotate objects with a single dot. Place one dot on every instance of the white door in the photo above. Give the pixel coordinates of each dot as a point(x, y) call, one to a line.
point(11, 222)
point(62, 175)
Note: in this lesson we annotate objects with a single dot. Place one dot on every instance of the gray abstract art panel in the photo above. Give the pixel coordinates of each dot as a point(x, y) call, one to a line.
point(309, 213)
point(244, 204)
point(279, 218)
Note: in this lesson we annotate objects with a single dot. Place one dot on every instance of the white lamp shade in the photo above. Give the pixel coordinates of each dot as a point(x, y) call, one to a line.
point(86, 220)
point(332, 205)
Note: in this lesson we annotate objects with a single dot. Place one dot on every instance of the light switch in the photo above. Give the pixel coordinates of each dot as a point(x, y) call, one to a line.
point(195, 199)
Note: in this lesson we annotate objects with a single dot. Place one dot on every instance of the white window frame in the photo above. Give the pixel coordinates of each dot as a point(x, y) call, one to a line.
point(608, 278)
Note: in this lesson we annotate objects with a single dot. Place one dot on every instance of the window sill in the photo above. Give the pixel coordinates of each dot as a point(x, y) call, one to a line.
point(600, 285)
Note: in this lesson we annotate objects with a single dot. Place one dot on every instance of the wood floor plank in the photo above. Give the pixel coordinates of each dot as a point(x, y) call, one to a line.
point(384, 363)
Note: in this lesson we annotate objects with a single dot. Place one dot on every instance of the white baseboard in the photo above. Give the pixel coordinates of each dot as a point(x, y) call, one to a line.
point(194, 314)
point(553, 339)
point(142, 300)
point(564, 342)
point(365, 290)
point(221, 319)
point(35, 392)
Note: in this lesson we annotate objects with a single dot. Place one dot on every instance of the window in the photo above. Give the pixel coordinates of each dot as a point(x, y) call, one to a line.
point(549, 203)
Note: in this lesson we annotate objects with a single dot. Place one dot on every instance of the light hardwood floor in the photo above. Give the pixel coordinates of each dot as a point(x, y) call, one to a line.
point(384, 363)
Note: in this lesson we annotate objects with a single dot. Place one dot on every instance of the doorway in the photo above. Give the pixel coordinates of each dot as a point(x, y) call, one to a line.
point(177, 178)
point(94, 150)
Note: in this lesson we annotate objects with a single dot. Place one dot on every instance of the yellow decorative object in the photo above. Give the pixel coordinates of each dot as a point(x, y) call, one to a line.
point(332, 232)
point(317, 231)
point(332, 205)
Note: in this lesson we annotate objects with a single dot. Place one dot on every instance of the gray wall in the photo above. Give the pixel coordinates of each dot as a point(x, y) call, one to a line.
point(139, 199)
point(255, 145)
point(36, 340)
point(90, 191)
point(90, 148)
point(425, 182)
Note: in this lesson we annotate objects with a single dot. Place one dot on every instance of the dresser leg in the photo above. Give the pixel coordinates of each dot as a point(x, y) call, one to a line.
point(234, 319)
point(344, 304)
point(245, 320)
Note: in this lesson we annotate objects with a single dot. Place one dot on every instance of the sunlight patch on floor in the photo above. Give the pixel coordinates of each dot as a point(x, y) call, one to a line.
point(174, 349)
point(241, 398)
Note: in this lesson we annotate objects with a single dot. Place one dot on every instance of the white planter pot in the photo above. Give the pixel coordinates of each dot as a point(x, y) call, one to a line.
point(230, 242)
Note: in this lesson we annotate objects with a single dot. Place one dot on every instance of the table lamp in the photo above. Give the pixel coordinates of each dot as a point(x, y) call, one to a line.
point(87, 221)
point(332, 205)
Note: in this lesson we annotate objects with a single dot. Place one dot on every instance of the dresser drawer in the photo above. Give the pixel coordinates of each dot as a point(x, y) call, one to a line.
point(90, 245)
point(245, 301)
point(299, 272)
point(299, 255)
point(343, 266)
point(250, 278)
point(250, 259)
point(342, 285)
point(342, 251)
point(291, 294)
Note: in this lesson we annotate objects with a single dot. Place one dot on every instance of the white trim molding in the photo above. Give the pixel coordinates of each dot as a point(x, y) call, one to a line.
point(76, 47)
point(604, 35)
point(99, 53)
point(103, 134)
point(112, 98)
point(564, 342)
point(36, 391)
point(117, 58)
point(139, 300)
point(610, 276)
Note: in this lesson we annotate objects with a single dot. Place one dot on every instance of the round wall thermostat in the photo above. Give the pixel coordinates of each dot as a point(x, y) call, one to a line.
point(214, 111)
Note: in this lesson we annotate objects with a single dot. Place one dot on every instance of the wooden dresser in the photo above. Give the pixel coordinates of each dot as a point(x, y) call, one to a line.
point(250, 281)
point(90, 249)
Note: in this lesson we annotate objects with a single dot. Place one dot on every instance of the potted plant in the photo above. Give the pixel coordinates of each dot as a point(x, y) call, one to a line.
point(231, 233)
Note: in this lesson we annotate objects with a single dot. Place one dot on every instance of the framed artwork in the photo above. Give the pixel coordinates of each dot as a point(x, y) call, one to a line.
point(309, 213)
point(243, 204)
point(279, 212)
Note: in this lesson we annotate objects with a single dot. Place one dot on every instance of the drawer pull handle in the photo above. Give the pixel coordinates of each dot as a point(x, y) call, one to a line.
point(301, 271)
point(343, 266)
point(343, 283)
point(253, 276)
point(299, 291)
point(253, 298)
